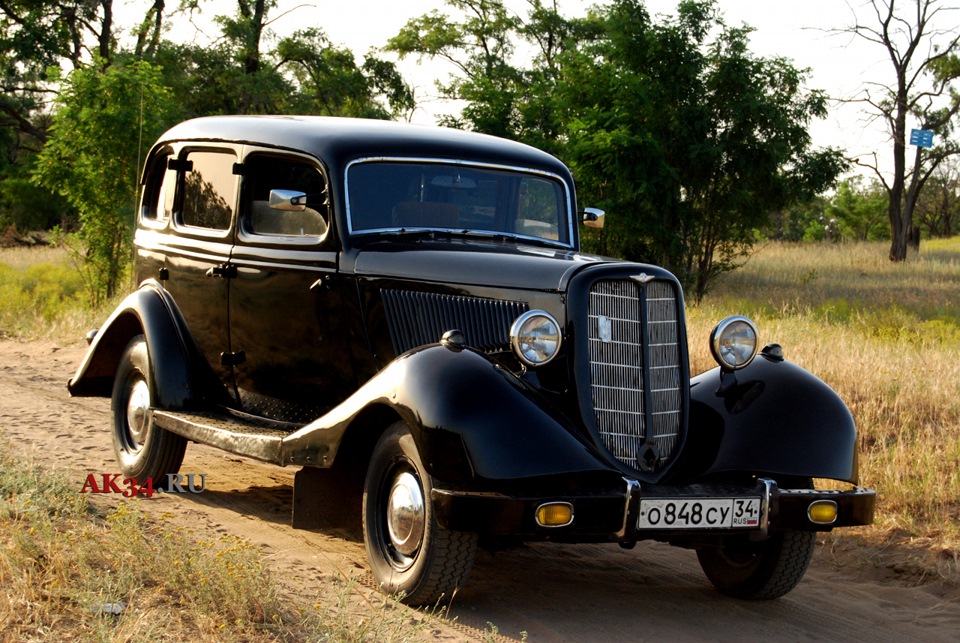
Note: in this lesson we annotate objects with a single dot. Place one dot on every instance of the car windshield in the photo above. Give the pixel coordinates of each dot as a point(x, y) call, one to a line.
point(390, 195)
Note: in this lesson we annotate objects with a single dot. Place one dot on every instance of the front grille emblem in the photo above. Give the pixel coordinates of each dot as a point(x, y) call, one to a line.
point(605, 329)
point(648, 456)
point(642, 278)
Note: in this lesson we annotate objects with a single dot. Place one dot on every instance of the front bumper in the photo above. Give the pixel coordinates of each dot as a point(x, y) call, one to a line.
point(615, 515)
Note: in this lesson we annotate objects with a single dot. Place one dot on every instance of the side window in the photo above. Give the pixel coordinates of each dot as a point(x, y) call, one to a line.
point(156, 205)
point(263, 173)
point(209, 190)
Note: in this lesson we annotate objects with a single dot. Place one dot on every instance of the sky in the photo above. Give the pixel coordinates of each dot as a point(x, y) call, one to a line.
point(799, 30)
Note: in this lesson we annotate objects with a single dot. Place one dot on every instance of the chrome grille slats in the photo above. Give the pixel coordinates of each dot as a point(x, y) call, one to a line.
point(419, 318)
point(664, 343)
point(635, 370)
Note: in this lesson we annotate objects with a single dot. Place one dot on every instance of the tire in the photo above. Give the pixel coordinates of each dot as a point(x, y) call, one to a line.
point(409, 554)
point(143, 449)
point(759, 570)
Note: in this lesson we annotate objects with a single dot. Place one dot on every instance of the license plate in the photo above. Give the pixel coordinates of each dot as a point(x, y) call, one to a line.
point(699, 513)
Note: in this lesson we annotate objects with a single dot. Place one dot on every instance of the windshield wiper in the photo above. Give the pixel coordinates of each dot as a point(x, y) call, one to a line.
point(421, 234)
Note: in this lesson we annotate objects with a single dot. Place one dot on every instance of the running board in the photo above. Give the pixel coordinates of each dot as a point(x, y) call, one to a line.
point(239, 434)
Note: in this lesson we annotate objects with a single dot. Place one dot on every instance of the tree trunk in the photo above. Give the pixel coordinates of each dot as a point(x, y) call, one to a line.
point(899, 225)
point(106, 31)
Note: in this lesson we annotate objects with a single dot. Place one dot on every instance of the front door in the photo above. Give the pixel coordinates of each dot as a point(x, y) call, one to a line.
point(292, 359)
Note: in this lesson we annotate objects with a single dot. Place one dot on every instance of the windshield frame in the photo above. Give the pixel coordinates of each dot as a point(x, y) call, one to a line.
point(567, 209)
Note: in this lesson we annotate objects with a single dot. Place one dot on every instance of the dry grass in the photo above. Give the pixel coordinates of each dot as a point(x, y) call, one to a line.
point(886, 337)
point(72, 572)
point(68, 569)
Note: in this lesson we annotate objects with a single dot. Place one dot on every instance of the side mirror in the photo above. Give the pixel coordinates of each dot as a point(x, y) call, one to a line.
point(288, 200)
point(593, 217)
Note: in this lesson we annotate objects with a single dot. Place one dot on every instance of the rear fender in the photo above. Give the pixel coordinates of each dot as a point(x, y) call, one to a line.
point(173, 359)
point(776, 420)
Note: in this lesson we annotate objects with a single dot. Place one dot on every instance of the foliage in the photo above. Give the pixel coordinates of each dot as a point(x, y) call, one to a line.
point(857, 211)
point(479, 46)
point(330, 82)
point(23, 204)
point(938, 206)
point(673, 125)
point(35, 36)
point(692, 140)
point(209, 81)
point(498, 97)
point(92, 159)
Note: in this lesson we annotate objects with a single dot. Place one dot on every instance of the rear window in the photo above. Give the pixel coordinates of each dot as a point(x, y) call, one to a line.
point(209, 190)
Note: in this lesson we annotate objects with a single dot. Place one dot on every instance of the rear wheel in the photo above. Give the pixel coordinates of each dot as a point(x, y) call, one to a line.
point(759, 570)
point(408, 552)
point(143, 449)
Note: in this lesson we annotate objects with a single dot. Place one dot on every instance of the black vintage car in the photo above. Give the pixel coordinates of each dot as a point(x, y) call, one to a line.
point(404, 313)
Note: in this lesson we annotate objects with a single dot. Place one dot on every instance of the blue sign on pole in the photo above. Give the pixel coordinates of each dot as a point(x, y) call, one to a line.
point(921, 137)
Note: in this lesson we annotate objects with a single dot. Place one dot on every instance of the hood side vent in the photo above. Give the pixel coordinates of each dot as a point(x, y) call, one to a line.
point(420, 318)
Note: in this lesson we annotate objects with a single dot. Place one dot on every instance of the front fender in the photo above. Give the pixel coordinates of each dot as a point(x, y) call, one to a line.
point(778, 419)
point(150, 312)
point(472, 420)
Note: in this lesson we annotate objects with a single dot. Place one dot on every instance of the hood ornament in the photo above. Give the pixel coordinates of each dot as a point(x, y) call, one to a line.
point(642, 278)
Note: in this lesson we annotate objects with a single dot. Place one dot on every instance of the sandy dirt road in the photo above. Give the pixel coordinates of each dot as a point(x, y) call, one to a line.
point(551, 592)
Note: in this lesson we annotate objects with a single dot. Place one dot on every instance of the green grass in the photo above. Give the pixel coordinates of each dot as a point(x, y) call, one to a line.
point(42, 294)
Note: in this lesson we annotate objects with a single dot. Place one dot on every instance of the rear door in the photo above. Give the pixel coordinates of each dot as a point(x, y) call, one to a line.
point(185, 239)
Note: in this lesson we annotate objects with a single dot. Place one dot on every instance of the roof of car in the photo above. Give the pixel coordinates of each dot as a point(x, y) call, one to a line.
point(340, 140)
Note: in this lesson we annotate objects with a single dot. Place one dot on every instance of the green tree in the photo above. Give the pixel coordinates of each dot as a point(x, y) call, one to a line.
point(249, 71)
point(330, 83)
point(104, 120)
point(36, 36)
point(859, 209)
point(802, 221)
point(500, 97)
point(938, 206)
point(479, 46)
point(688, 138)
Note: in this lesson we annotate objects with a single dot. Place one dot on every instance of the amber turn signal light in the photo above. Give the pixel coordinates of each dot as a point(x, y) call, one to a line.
point(555, 514)
point(822, 512)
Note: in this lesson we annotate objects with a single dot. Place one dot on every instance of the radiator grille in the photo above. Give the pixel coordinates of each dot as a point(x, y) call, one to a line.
point(635, 370)
point(418, 318)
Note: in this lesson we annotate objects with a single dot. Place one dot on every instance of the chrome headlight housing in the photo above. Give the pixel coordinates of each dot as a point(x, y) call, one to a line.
point(734, 342)
point(535, 337)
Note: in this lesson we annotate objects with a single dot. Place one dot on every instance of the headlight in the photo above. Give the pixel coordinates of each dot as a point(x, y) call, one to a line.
point(535, 337)
point(734, 342)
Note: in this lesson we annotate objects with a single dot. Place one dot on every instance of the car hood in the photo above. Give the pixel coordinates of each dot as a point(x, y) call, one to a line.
point(477, 263)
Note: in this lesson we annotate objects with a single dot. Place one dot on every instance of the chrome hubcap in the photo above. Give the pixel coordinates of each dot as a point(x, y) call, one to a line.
point(138, 411)
point(406, 515)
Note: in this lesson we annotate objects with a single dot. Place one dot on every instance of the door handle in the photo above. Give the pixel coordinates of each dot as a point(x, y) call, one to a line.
point(223, 271)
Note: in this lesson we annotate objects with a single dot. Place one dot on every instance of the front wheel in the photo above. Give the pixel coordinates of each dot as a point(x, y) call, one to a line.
point(143, 449)
point(409, 553)
point(758, 570)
